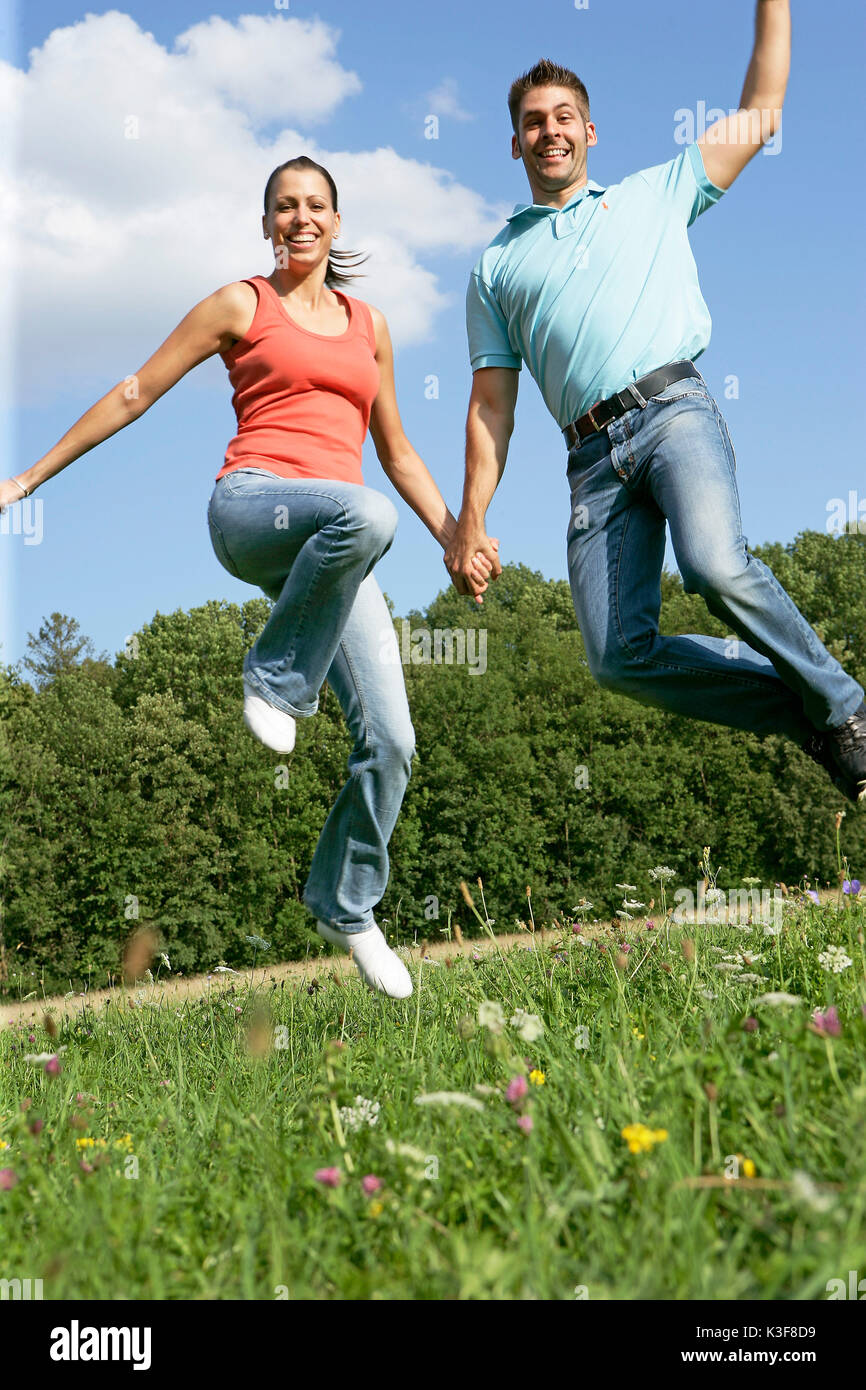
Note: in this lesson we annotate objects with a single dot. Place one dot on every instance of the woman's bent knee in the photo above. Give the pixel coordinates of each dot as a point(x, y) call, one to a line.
point(378, 517)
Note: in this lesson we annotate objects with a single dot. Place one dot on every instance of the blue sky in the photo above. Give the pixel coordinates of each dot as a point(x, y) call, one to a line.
point(157, 222)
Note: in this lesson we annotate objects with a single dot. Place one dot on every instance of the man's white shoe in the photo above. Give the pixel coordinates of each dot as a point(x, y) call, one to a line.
point(377, 964)
point(271, 726)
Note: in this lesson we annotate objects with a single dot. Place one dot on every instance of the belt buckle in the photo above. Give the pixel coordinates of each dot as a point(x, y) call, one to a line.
point(595, 425)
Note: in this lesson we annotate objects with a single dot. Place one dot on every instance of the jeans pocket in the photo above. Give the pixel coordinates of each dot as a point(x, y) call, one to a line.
point(677, 390)
point(581, 458)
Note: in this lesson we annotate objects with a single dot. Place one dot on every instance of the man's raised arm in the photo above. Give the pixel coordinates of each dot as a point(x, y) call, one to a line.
point(489, 425)
point(729, 144)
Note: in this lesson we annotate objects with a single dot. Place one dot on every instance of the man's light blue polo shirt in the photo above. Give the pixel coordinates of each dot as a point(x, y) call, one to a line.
point(598, 293)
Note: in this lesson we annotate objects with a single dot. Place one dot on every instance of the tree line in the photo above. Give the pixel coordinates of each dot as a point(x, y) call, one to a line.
point(130, 792)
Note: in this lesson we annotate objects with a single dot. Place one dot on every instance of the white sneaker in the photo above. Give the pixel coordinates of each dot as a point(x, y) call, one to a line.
point(377, 964)
point(271, 726)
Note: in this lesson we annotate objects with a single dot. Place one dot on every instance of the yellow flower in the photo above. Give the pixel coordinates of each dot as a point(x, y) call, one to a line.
point(124, 1142)
point(3, 1144)
point(536, 1077)
point(640, 1139)
point(86, 1143)
point(636, 1034)
point(748, 1168)
point(375, 1208)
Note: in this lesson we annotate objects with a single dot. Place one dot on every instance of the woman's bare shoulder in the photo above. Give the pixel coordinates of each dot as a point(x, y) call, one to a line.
point(236, 302)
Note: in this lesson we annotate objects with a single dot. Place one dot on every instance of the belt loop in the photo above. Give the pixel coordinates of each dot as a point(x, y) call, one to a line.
point(637, 395)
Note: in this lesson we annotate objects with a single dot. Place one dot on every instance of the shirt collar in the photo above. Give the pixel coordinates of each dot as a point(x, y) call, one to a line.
point(589, 187)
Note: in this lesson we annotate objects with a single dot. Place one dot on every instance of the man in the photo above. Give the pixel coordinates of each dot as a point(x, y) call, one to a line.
point(596, 289)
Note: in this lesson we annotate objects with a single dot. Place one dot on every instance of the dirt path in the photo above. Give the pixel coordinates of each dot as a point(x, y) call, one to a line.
point(173, 988)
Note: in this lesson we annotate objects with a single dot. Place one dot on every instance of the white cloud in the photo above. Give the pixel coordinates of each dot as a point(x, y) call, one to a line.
point(133, 187)
point(444, 101)
point(222, 56)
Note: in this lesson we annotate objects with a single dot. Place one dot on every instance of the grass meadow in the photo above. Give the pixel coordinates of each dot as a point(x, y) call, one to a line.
point(641, 1111)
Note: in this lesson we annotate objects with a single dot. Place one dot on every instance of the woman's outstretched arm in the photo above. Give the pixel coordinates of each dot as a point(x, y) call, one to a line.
point(208, 328)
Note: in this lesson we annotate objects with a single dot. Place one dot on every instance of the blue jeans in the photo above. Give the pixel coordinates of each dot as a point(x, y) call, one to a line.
point(672, 460)
point(310, 544)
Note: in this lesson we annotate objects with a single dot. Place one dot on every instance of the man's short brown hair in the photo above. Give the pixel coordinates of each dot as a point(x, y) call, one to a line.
point(546, 74)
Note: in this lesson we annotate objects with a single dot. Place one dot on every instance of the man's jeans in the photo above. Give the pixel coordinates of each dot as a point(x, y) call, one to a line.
point(672, 459)
point(311, 544)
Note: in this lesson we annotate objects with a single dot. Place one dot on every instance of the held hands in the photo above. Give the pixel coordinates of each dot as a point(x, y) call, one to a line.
point(472, 560)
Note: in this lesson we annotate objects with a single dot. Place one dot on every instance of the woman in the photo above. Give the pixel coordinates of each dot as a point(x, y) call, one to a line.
point(311, 369)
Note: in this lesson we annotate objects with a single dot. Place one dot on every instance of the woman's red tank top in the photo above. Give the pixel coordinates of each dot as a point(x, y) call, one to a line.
point(302, 399)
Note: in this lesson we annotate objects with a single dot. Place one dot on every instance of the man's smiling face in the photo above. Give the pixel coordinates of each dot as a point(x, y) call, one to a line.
point(552, 139)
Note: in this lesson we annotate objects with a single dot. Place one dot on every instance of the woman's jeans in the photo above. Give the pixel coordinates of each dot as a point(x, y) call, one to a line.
point(311, 544)
point(672, 460)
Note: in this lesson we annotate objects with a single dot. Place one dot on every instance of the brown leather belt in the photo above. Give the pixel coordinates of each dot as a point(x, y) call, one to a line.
point(603, 412)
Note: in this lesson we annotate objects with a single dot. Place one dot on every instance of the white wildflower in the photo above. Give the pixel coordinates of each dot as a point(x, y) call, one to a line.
point(405, 1151)
point(43, 1056)
point(164, 957)
point(363, 1112)
point(804, 1190)
point(661, 873)
point(529, 1026)
point(632, 905)
point(450, 1098)
point(490, 1015)
point(224, 970)
point(627, 887)
point(417, 1160)
point(835, 959)
point(777, 997)
point(748, 979)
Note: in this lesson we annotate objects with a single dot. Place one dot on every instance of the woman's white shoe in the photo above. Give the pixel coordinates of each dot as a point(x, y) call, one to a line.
point(271, 726)
point(377, 964)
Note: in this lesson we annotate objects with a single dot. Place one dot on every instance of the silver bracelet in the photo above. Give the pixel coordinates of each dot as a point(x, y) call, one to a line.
point(25, 490)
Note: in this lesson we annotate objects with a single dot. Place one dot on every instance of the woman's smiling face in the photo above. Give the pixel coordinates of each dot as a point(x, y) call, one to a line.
point(301, 221)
